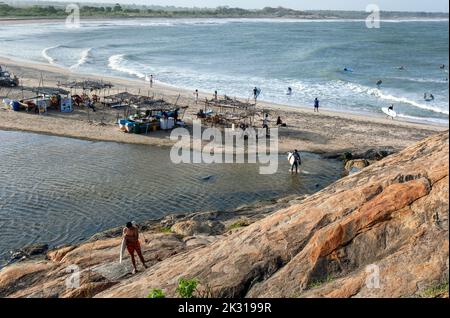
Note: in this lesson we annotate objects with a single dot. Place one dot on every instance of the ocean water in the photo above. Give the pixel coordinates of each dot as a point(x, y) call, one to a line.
point(61, 190)
point(235, 55)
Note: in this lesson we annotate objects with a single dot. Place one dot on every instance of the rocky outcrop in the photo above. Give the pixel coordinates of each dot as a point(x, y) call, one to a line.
point(380, 232)
point(192, 227)
point(355, 165)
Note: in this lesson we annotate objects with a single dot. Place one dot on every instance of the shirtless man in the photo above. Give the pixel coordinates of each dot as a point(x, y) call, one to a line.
point(131, 235)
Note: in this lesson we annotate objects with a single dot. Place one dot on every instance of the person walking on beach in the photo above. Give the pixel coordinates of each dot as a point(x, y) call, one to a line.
point(151, 81)
point(316, 105)
point(215, 96)
point(131, 235)
point(196, 96)
point(266, 124)
point(255, 93)
point(297, 161)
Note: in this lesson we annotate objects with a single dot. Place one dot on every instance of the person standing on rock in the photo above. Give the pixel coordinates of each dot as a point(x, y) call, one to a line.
point(131, 235)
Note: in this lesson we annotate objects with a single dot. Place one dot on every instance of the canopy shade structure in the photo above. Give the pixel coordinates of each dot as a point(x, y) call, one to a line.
point(87, 85)
point(49, 91)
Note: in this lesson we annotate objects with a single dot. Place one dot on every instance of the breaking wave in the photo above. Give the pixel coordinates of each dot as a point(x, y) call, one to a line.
point(85, 55)
point(45, 54)
point(118, 63)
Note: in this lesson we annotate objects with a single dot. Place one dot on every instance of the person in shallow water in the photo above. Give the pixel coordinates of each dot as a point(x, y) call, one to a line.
point(297, 161)
point(131, 235)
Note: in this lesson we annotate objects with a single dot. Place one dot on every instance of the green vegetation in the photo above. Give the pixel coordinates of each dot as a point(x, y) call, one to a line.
point(156, 293)
point(165, 230)
point(58, 10)
point(435, 291)
point(238, 225)
point(319, 282)
point(187, 287)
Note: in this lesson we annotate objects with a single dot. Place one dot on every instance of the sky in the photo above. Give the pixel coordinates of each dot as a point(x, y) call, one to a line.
point(357, 5)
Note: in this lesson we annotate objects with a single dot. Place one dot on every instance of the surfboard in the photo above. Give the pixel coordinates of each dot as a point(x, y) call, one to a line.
point(123, 246)
point(389, 112)
point(291, 158)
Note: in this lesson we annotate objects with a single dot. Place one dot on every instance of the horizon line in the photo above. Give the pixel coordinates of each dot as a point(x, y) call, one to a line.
point(207, 7)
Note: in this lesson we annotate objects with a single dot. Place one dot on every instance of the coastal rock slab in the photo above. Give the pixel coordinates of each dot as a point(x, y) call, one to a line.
point(328, 244)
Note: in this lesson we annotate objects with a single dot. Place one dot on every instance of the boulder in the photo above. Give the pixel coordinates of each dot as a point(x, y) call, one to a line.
point(356, 165)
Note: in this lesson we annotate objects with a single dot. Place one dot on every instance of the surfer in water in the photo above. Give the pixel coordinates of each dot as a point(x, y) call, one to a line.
point(401, 68)
point(427, 97)
point(297, 161)
point(289, 91)
point(379, 83)
point(131, 235)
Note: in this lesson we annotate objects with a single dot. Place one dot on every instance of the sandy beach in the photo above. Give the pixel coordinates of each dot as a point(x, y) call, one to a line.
point(326, 132)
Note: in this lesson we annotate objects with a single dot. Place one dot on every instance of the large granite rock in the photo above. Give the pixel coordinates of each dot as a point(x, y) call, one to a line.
point(390, 219)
